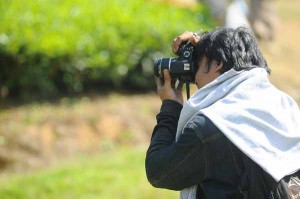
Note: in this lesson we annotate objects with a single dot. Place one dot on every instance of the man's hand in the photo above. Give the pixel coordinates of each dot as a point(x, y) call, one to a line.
point(166, 88)
point(186, 36)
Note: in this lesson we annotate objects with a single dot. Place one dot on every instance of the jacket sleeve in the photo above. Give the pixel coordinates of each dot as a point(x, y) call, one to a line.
point(174, 165)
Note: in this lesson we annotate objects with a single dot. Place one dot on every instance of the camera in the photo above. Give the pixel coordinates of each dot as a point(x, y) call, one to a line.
point(181, 67)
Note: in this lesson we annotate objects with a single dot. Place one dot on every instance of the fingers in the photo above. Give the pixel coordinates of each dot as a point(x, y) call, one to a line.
point(181, 38)
point(186, 36)
point(168, 82)
point(194, 39)
point(165, 82)
point(167, 78)
point(166, 89)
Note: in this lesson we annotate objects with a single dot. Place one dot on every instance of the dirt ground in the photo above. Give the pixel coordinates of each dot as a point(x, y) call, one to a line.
point(35, 134)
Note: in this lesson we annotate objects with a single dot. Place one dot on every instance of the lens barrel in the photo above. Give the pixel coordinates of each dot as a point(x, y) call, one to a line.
point(181, 69)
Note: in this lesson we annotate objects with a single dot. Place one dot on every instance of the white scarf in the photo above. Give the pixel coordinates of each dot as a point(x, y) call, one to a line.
point(262, 121)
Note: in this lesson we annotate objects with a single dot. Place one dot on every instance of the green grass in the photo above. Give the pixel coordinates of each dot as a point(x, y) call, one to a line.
point(117, 174)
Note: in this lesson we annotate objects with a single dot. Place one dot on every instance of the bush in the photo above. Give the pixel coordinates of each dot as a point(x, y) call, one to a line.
point(50, 46)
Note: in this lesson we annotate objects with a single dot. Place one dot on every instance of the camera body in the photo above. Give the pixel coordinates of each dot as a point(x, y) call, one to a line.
point(181, 67)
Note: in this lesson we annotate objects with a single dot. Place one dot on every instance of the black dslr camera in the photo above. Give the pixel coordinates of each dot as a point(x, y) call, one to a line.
point(181, 67)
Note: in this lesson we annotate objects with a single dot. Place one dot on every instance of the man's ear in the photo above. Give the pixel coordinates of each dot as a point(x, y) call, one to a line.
point(216, 66)
point(219, 67)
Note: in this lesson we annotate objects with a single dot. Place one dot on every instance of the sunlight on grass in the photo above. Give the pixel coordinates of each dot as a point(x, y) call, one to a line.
point(118, 174)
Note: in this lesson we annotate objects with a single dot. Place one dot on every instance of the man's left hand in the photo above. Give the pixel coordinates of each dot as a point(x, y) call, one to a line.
point(166, 88)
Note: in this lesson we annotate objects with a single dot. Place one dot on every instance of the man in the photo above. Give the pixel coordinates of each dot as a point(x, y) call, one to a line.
point(235, 123)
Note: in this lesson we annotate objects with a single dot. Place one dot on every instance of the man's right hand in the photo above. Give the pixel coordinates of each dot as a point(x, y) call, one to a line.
point(186, 36)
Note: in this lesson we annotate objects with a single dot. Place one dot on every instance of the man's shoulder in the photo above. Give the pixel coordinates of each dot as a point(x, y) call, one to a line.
point(204, 127)
point(201, 121)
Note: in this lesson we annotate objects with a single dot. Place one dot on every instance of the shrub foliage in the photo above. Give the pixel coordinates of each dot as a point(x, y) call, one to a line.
point(52, 46)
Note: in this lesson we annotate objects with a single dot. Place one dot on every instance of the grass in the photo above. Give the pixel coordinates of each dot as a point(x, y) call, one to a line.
point(118, 173)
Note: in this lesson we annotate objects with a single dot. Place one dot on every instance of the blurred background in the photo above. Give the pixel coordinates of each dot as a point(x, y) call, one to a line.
point(77, 90)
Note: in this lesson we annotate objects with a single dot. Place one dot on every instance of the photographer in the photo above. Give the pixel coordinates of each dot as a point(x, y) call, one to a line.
point(237, 136)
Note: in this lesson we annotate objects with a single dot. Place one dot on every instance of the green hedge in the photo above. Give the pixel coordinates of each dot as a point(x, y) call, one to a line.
point(48, 46)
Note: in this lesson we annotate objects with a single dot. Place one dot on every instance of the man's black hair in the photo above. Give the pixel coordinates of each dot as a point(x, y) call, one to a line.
point(235, 48)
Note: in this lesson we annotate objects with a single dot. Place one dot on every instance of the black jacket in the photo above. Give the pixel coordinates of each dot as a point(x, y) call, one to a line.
point(202, 156)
